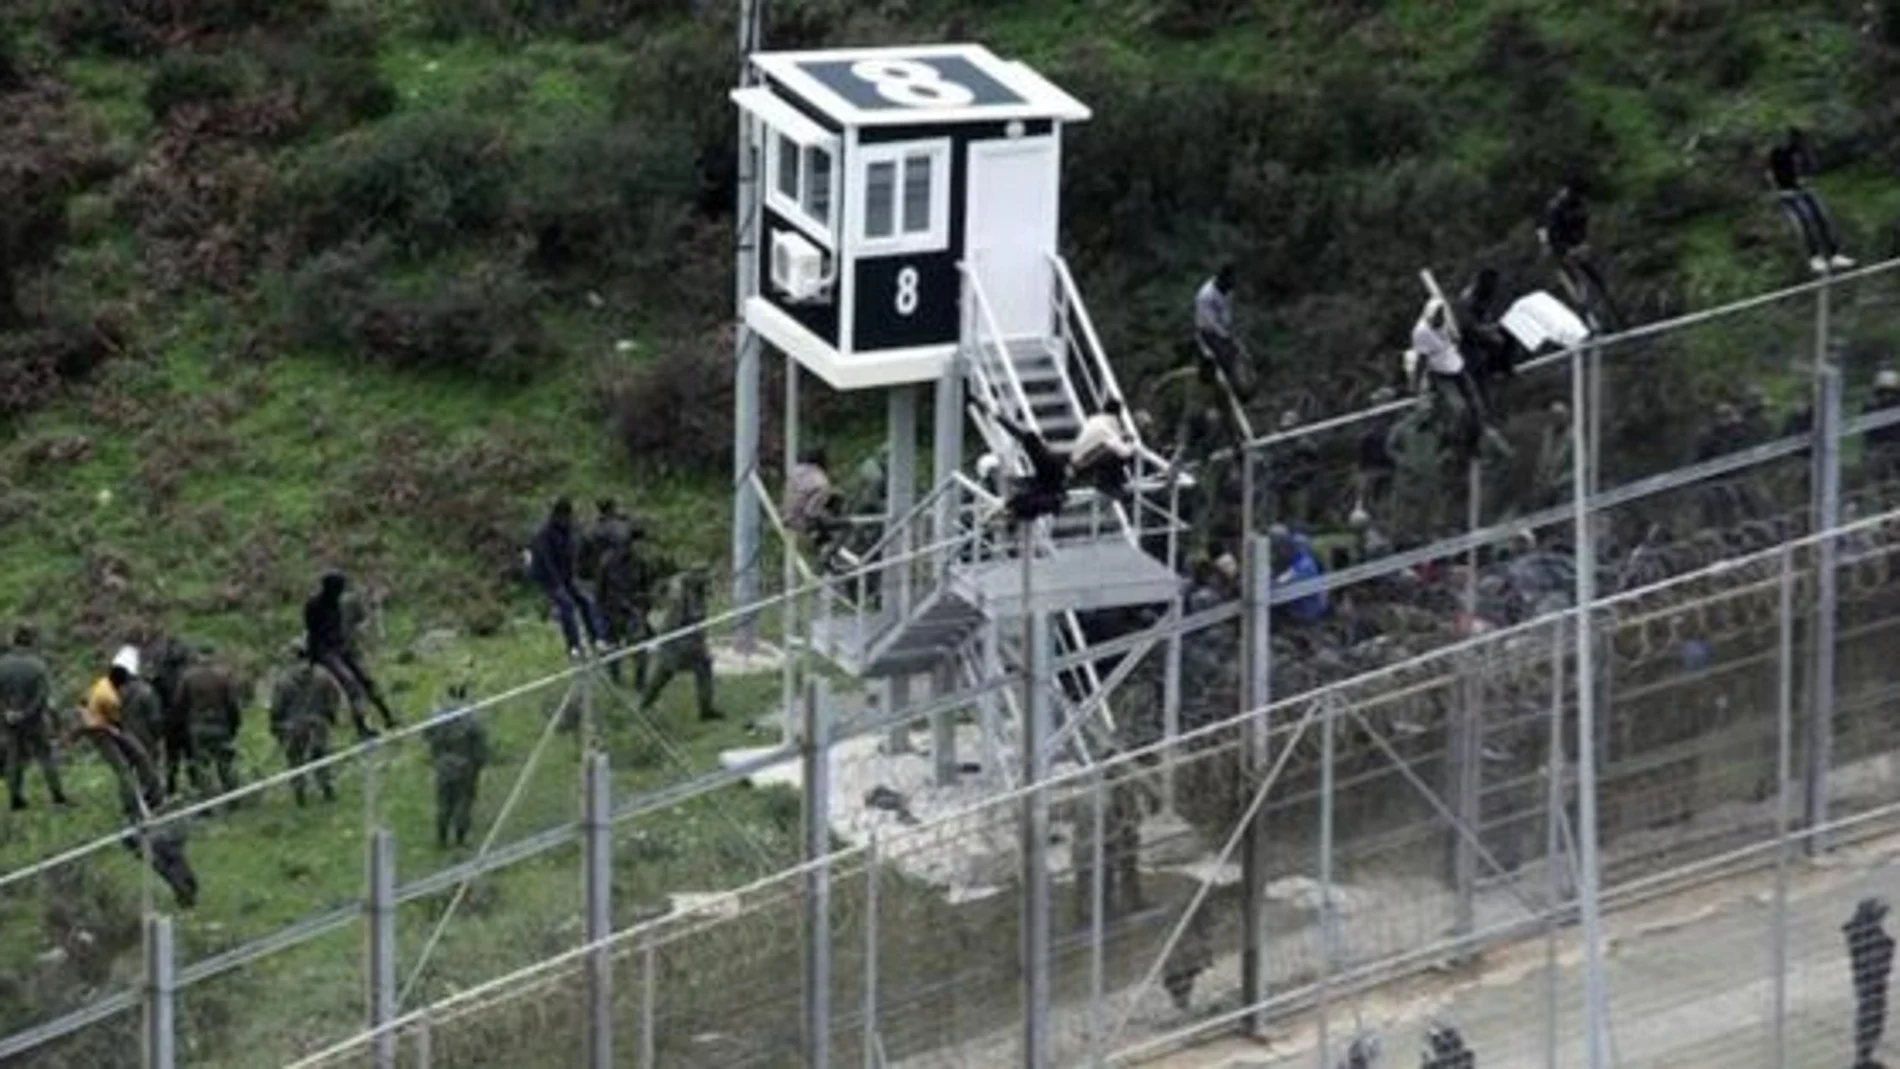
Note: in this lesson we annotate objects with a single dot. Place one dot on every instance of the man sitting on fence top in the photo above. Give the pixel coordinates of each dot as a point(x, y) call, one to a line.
point(1041, 492)
point(1102, 451)
point(1214, 329)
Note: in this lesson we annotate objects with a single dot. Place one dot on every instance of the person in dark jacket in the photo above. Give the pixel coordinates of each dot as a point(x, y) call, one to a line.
point(1564, 229)
point(1870, 957)
point(327, 644)
point(1789, 163)
point(553, 563)
point(1041, 493)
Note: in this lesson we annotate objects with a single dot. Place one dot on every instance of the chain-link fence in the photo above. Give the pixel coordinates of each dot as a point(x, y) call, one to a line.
point(1338, 865)
point(1390, 860)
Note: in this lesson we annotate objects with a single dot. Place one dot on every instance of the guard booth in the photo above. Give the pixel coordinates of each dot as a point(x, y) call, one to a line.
point(899, 218)
point(883, 170)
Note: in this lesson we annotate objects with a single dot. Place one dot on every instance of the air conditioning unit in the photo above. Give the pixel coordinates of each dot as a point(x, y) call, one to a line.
point(798, 266)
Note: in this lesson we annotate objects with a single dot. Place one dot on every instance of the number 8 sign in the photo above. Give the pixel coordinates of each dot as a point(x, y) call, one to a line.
point(912, 84)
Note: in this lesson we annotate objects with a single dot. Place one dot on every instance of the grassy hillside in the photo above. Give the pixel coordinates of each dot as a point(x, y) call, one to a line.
point(364, 285)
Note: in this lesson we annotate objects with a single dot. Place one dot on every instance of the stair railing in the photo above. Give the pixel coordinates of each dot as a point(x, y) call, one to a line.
point(987, 344)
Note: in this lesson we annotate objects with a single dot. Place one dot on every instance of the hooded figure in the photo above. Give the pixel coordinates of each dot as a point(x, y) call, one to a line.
point(327, 644)
point(1870, 957)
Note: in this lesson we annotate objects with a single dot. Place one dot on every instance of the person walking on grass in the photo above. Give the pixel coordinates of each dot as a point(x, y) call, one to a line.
point(328, 645)
point(553, 564)
point(25, 707)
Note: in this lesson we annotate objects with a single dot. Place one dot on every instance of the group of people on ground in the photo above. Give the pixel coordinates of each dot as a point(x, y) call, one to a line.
point(601, 589)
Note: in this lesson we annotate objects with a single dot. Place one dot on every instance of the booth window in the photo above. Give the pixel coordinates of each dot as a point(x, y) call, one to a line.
point(906, 198)
point(802, 180)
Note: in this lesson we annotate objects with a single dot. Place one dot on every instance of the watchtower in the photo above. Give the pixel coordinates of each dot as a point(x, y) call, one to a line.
point(899, 219)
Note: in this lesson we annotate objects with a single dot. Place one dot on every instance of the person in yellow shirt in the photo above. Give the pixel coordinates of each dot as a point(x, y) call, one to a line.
point(102, 701)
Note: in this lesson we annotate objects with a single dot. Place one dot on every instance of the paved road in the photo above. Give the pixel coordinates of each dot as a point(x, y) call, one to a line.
point(1690, 982)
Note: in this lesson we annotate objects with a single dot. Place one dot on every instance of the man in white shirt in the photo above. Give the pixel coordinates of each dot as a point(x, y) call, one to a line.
point(1102, 450)
point(1435, 359)
point(1214, 327)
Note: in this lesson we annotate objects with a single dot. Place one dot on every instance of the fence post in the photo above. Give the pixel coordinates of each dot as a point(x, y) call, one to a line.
point(1034, 817)
point(425, 1042)
point(1556, 773)
point(1595, 996)
point(1827, 516)
point(597, 884)
point(1784, 774)
point(649, 983)
point(1328, 929)
point(1098, 903)
point(1171, 697)
point(380, 912)
point(817, 783)
point(870, 952)
point(1465, 742)
point(1257, 653)
point(161, 982)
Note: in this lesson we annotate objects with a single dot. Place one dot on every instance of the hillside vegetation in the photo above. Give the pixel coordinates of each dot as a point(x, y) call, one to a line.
point(365, 284)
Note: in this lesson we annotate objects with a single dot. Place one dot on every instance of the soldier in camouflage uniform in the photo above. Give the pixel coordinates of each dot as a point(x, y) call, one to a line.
point(1122, 812)
point(1419, 461)
point(686, 595)
point(141, 713)
point(25, 693)
point(303, 708)
point(609, 561)
point(209, 705)
point(458, 749)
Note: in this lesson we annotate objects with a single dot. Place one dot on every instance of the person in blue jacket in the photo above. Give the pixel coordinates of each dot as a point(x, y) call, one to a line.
point(1293, 562)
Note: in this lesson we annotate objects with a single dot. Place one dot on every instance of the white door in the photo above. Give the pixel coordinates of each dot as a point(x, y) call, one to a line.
point(1010, 231)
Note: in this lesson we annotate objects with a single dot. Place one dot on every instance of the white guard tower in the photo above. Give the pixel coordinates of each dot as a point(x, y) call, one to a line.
point(903, 217)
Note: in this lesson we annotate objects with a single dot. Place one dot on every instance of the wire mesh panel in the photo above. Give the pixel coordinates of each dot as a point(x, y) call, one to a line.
point(725, 975)
point(72, 941)
point(323, 977)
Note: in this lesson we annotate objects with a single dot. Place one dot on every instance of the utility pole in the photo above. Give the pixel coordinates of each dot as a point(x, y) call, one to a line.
point(746, 518)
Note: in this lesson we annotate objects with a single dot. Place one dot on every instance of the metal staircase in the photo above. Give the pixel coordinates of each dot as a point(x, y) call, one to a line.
point(922, 596)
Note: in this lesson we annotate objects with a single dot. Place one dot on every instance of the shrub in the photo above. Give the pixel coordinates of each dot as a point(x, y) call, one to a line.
point(673, 414)
point(423, 181)
point(603, 196)
point(143, 27)
point(34, 363)
point(514, 20)
point(333, 73)
point(186, 77)
point(481, 321)
point(463, 494)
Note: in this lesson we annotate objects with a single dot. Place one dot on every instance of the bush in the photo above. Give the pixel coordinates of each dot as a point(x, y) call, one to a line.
point(674, 413)
point(333, 73)
point(192, 78)
point(462, 494)
point(424, 182)
point(144, 27)
point(605, 196)
point(482, 321)
point(515, 20)
point(35, 363)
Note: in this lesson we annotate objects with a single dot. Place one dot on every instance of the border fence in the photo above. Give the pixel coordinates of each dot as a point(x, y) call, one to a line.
point(1324, 841)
